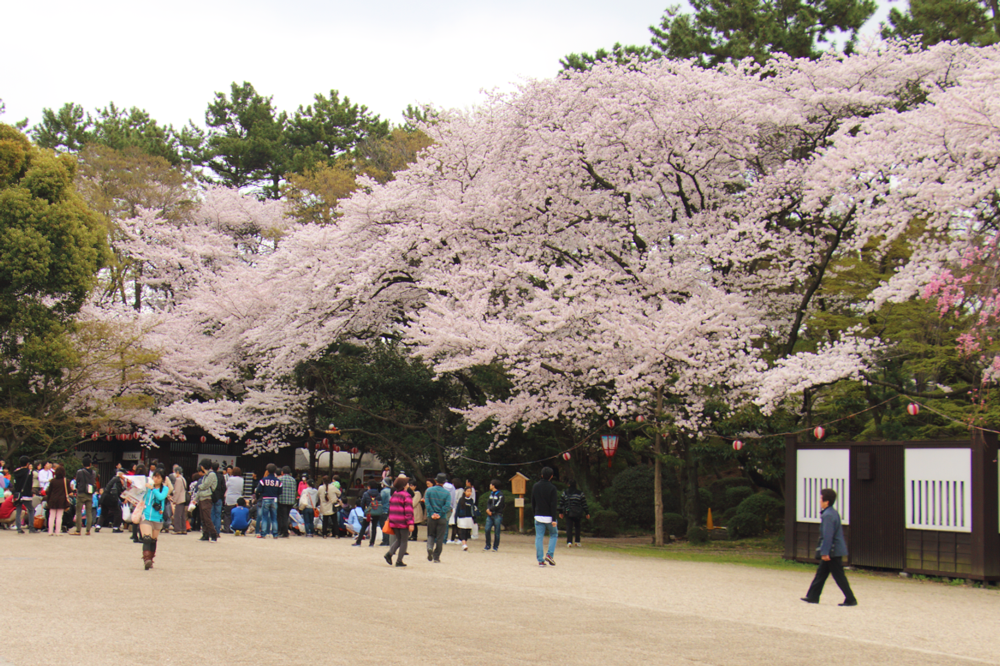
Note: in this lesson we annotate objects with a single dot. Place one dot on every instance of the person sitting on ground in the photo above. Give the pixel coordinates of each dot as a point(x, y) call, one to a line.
point(295, 522)
point(355, 521)
point(240, 517)
point(7, 510)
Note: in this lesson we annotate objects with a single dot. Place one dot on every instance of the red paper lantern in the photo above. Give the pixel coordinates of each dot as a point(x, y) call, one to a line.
point(354, 451)
point(326, 442)
point(913, 409)
point(336, 448)
point(640, 419)
point(610, 445)
point(611, 423)
point(819, 432)
point(566, 455)
point(203, 439)
point(737, 445)
point(94, 436)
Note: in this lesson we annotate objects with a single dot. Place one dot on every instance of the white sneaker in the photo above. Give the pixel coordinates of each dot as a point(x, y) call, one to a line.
point(569, 545)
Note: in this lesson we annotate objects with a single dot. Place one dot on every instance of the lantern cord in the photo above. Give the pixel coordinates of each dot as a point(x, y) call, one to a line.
point(858, 413)
point(532, 462)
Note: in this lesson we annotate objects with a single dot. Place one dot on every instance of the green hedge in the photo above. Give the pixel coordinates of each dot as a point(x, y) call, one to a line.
point(770, 510)
point(674, 524)
point(736, 494)
point(744, 525)
point(605, 523)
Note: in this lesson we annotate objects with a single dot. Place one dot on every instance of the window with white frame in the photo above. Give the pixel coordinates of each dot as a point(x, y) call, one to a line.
point(939, 489)
point(816, 469)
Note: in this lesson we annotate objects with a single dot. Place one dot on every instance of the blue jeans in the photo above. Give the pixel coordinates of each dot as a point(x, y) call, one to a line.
point(540, 531)
point(267, 516)
point(217, 516)
point(493, 527)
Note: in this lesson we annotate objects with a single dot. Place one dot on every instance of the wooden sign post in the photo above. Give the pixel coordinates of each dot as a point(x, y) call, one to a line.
point(518, 486)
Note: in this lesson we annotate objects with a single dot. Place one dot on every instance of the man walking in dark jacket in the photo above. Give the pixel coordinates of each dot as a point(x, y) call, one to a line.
point(832, 551)
point(544, 503)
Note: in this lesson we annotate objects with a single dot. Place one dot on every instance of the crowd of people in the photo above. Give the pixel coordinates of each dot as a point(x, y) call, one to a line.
point(219, 500)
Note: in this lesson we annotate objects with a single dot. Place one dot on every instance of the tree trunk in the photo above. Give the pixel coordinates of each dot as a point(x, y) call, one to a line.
point(658, 473)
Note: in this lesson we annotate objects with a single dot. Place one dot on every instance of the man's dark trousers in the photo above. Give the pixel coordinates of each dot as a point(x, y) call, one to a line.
point(283, 512)
point(835, 566)
point(437, 530)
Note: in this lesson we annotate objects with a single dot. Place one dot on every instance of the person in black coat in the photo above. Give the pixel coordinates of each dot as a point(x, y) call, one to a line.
point(545, 504)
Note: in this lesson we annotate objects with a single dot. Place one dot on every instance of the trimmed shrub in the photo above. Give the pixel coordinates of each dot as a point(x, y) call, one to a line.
point(737, 494)
point(605, 523)
point(719, 487)
point(674, 524)
point(769, 510)
point(697, 535)
point(727, 515)
point(744, 525)
point(705, 501)
point(631, 496)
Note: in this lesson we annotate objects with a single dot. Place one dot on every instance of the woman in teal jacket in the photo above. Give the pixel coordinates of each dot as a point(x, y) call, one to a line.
point(152, 516)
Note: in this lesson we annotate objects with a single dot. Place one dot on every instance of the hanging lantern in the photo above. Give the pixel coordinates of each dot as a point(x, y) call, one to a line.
point(640, 419)
point(611, 423)
point(610, 445)
point(818, 432)
point(326, 442)
point(94, 436)
point(913, 409)
point(336, 448)
point(354, 451)
point(737, 445)
point(566, 456)
point(203, 439)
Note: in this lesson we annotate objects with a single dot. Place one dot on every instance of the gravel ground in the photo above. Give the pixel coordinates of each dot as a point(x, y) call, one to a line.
point(86, 600)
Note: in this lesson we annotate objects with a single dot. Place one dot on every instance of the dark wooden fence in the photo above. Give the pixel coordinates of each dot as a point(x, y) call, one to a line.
point(947, 526)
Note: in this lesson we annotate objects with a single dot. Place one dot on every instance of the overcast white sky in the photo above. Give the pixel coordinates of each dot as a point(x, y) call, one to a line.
point(169, 58)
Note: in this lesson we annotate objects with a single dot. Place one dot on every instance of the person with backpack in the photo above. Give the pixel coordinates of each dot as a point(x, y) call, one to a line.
point(371, 504)
point(111, 504)
point(573, 507)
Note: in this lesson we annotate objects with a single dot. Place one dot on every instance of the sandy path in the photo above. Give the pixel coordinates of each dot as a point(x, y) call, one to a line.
point(80, 600)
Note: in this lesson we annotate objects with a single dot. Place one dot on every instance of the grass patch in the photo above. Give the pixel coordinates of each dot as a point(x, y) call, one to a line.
point(762, 552)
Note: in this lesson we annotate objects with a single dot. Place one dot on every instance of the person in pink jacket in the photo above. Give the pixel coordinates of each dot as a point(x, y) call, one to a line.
point(400, 520)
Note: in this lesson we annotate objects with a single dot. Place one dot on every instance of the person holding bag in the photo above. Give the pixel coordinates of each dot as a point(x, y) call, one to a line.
point(400, 520)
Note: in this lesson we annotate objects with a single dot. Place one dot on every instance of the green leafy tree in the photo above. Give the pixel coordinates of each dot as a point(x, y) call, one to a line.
point(51, 248)
point(71, 128)
point(327, 129)
point(933, 21)
point(246, 145)
point(720, 31)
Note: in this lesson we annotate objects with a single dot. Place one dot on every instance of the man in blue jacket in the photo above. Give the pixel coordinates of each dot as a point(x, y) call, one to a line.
point(832, 551)
point(438, 503)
